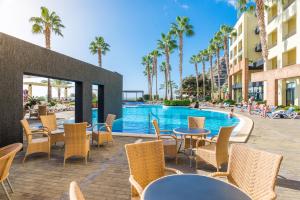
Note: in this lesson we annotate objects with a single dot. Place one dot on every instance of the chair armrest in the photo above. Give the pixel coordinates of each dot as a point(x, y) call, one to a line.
point(203, 139)
point(97, 124)
point(175, 171)
point(219, 174)
point(136, 185)
point(42, 133)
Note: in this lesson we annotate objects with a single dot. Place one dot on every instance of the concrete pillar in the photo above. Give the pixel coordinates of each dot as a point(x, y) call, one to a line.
point(245, 79)
point(66, 93)
point(297, 92)
point(281, 92)
point(265, 91)
point(272, 92)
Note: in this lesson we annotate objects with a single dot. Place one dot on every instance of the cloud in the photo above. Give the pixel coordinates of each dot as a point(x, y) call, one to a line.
point(229, 2)
point(181, 5)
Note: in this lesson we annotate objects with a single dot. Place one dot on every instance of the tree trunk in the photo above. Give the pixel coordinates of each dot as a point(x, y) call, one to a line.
point(227, 63)
point(58, 93)
point(180, 61)
point(203, 79)
point(197, 81)
point(211, 77)
point(260, 12)
point(149, 82)
point(167, 65)
point(166, 85)
point(48, 46)
point(100, 57)
point(156, 89)
point(218, 68)
point(171, 87)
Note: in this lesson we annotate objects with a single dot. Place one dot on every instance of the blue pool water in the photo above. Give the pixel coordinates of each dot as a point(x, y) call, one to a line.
point(136, 118)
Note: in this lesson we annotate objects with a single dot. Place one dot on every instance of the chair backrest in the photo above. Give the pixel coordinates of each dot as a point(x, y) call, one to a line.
point(196, 122)
point(7, 155)
point(156, 128)
point(222, 143)
point(75, 136)
point(27, 130)
point(110, 119)
point(75, 192)
point(42, 110)
point(252, 170)
point(146, 161)
point(49, 121)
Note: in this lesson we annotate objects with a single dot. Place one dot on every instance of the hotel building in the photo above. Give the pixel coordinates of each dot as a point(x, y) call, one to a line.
point(282, 75)
point(245, 59)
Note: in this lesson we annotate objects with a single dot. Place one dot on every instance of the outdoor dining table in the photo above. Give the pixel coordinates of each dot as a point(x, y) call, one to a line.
point(192, 187)
point(190, 132)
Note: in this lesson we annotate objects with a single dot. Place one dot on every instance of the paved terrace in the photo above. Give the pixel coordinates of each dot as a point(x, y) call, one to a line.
point(106, 174)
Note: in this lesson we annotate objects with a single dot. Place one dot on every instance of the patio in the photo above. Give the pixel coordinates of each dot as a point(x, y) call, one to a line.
point(106, 174)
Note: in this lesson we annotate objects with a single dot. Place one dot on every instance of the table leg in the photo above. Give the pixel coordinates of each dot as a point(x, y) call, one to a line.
point(191, 149)
point(181, 136)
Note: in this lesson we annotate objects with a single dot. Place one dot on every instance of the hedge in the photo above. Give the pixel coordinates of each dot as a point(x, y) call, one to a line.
point(177, 102)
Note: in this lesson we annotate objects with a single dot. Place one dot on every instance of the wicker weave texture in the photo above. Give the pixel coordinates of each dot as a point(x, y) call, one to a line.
point(75, 192)
point(254, 171)
point(146, 162)
point(77, 142)
point(193, 122)
point(102, 137)
point(216, 154)
point(50, 125)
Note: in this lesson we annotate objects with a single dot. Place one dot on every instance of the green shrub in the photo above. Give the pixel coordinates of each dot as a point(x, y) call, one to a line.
point(52, 103)
point(177, 102)
point(140, 99)
point(229, 101)
point(146, 97)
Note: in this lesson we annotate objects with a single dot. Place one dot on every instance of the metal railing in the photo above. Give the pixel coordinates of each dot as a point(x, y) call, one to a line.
point(287, 4)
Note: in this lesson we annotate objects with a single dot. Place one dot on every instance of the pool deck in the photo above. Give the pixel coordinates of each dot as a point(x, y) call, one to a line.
point(106, 175)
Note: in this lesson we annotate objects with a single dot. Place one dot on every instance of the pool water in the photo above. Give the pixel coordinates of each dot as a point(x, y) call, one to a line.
point(136, 119)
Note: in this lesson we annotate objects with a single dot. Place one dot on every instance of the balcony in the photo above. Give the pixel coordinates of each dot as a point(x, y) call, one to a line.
point(257, 30)
point(270, 46)
point(257, 65)
point(287, 4)
point(258, 48)
point(289, 34)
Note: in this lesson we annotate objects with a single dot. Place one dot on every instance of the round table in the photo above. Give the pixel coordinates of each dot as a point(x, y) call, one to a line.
point(192, 187)
point(191, 132)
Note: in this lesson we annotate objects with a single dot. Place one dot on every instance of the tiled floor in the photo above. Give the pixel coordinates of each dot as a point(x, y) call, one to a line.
point(106, 174)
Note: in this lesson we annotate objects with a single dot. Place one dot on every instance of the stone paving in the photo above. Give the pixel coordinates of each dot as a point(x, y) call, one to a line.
point(105, 176)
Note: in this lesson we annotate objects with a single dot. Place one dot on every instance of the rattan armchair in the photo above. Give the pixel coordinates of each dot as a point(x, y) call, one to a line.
point(253, 171)
point(216, 152)
point(77, 142)
point(35, 145)
point(146, 163)
point(103, 131)
point(7, 155)
point(50, 125)
point(194, 122)
point(169, 141)
point(75, 192)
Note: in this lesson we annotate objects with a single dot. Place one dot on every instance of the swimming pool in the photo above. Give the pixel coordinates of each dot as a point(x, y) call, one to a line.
point(136, 118)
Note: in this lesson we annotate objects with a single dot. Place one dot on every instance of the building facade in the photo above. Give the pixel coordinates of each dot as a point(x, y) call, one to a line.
point(245, 59)
point(282, 75)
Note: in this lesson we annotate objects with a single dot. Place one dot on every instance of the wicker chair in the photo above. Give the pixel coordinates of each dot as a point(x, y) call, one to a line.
point(103, 132)
point(194, 122)
point(215, 153)
point(169, 141)
point(50, 125)
point(253, 171)
point(146, 163)
point(77, 142)
point(35, 145)
point(75, 192)
point(7, 155)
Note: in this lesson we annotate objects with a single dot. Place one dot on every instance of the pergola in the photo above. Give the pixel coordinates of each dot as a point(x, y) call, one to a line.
point(136, 92)
point(30, 84)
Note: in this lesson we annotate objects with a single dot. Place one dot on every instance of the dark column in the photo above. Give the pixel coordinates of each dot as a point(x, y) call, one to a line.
point(87, 101)
point(78, 102)
point(101, 103)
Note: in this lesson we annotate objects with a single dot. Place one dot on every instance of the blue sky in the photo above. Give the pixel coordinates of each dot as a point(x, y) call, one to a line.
point(131, 27)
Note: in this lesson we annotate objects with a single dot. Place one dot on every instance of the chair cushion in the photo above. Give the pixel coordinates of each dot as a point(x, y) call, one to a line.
point(169, 142)
point(40, 140)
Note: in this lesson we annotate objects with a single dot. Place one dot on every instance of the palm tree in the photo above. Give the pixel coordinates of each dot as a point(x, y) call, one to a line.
point(45, 24)
point(147, 61)
point(59, 84)
point(211, 52)
point(163, 69)
point(195, 59)
point(100, 47)
point(259, 8)
point(218, 45)
point(167, 44)
point(155, 54)
point(179, 29)
point(204, 58)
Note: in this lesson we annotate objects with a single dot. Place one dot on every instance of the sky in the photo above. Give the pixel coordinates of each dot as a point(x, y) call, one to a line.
point(131, 27)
